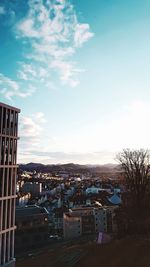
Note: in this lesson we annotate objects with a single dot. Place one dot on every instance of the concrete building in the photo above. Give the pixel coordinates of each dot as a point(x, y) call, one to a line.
point(8, 173)
point(89, 220)
point(34, 188)
point(72, 225)
point(23, 199)
point(111, 221)
point(57, 220)
point(78, 221)
point(32, 228)
point(96, 190)
point(100, 215)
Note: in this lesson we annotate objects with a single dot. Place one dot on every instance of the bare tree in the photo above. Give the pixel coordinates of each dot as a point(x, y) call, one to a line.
point(136, 167)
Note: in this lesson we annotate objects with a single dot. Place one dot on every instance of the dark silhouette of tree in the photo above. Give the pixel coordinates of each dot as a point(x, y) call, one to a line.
point(136, 167)
point(134, 211)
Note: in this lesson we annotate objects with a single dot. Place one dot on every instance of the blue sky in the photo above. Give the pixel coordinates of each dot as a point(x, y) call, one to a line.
point(79, 71)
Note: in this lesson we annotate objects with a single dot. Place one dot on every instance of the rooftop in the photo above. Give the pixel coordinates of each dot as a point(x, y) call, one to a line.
point(30, 210)
point(9, 107)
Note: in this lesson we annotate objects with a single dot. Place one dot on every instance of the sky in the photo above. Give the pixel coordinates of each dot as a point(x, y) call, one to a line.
point(79, 70)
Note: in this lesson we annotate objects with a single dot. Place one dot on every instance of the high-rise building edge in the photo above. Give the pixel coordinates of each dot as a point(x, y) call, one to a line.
point(8, 173)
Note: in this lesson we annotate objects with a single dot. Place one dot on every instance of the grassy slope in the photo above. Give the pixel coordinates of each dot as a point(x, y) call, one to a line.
point(120, 253)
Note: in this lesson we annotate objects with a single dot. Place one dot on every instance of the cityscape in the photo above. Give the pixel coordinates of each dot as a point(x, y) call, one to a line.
point(74, 133)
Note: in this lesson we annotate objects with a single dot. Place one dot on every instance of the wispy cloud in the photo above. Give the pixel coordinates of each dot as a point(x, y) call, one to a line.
point(39, 117)
point(31, 131)
point(107, 139)
point(82, 34)
point(10, 88)
point(54, 34)
point(50, 33)
point(2, 10)
point(61, 157)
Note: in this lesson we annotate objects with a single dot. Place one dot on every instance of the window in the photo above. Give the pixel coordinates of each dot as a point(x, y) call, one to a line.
point(37, 238)
point(25, 223)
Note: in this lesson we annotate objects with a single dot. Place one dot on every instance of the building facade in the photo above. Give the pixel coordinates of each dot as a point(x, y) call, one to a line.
point(72, 225)
point(89, 220)
point(8, 173)
point(32, 228)
point(34, 188)
point(78, 222)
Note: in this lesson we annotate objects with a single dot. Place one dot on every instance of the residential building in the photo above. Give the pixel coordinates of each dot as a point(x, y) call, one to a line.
point(72, 225)
point(100, 215)
point(78, 221)
point(23, 199)
point(32, 228)
point(34, 188)
point(89, 220)
point(57, 220)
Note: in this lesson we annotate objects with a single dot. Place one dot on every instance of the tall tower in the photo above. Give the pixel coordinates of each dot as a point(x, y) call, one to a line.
point(8, 172)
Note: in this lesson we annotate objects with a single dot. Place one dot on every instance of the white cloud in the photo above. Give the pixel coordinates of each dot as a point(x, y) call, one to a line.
point(32, 73)
point(30, 131)
point(53, 31)
point(22, 75)
point(2, 10)
point(67, 71)
point(10, 88)
point(26, 27)
point(82, 34)
point(50, 33)
point(130, 129)
point(27, 72)
point(12, 84)
point(39, 117)
point(61, 157)
point(30, 126)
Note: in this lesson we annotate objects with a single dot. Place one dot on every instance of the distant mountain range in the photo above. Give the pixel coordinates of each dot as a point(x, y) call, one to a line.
point(69, 167)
